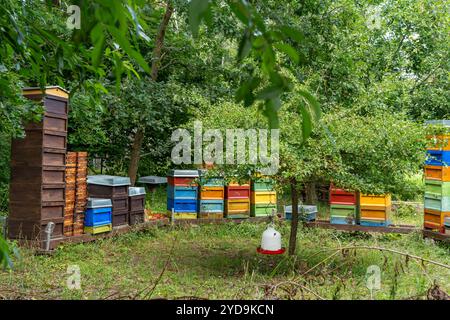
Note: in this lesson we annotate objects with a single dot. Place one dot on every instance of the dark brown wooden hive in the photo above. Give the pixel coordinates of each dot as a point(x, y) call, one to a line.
point(37, 189)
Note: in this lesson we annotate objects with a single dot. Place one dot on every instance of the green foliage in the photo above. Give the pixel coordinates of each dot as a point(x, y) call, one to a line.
point(262, 42)
point(357, 152)
point(5, 260)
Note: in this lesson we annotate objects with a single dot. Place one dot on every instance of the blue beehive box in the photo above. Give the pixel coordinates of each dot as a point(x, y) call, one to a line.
point(211, 206)
point(98, 212)
point(438, 158)
point(372, 223)
point(182, 205)
point(310, 212)
point(182, 192)
point(341, 220)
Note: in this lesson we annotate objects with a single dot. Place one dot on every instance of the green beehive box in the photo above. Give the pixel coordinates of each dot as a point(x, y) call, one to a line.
point(437, 187)
point(436, 202)
point(262, 210)
point(343, 211)
point(262, 184)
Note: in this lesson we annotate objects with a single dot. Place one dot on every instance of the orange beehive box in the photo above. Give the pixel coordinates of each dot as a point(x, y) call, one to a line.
point(374, 212)
point(439, 142)
point(212, 193)
point(434, 219)
point(437, 173)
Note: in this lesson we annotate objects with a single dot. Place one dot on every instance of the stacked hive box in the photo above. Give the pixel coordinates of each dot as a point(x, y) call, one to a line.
point(237, 203)
point(437, 179)
point(305, 212)
point(263, 197)
point(80, 193)
point(211, 197)
point(98, 216)
point(136, 205)
point(113, 188)
point(38, 171)
point(375, 210)
point(69, 209)
point(342, 206)
point(182, 198)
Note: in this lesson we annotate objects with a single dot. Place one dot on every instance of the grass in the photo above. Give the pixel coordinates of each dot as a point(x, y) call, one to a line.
point(220, 262)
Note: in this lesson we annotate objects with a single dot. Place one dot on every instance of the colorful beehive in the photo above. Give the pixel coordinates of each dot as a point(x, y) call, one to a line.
point(237, 200)
point(114, 188)
point(305, 212)
point(136, 205)
point(374, 210)
point(98, 216)
point(211, 197)
point(342, 206)
point(263, 197)
point(437, 179)
point(182, 194)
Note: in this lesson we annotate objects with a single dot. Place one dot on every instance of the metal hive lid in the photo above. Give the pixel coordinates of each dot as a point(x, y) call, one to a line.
point(444, 123)
point(98, 203)
point(152, 180)
point(308, 209)
point(112, 181)
point(136, 191)
point(447, 222)
point(183, 173)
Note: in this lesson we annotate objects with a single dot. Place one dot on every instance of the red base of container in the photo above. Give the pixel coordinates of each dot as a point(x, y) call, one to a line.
point(262, 251)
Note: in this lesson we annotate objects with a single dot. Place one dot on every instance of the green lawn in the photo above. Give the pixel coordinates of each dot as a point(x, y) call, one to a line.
point(220, 262)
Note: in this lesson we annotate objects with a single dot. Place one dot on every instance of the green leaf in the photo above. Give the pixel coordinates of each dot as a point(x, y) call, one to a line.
point(293, 33)
point(240, 10)
point(271, 112)
point(244, 46)
point(5, 260)
point(197, 10)
point(270, 92)
point(126, 46)
point(98, 39)
point(312, 102)
point(289, 51)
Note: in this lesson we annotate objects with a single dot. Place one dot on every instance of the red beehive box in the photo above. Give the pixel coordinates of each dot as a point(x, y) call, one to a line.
point(236, 191)
point(341, 196)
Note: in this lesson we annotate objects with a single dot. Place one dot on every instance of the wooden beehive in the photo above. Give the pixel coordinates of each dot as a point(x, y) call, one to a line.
point(37, 189)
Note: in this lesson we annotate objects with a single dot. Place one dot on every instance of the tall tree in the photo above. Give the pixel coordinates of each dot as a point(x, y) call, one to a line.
point(156, 63)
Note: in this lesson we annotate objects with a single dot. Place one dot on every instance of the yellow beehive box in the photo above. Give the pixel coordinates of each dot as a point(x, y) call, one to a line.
point(182, 215)
point(212, 193)
point(234, 206)
point(98, 229)
point(264, 197)
point(383, 200)
point(375, 212)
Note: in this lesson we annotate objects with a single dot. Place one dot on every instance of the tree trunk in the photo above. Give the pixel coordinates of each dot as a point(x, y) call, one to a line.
point(294, 221)
point(311, 193)
point(156, 59)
